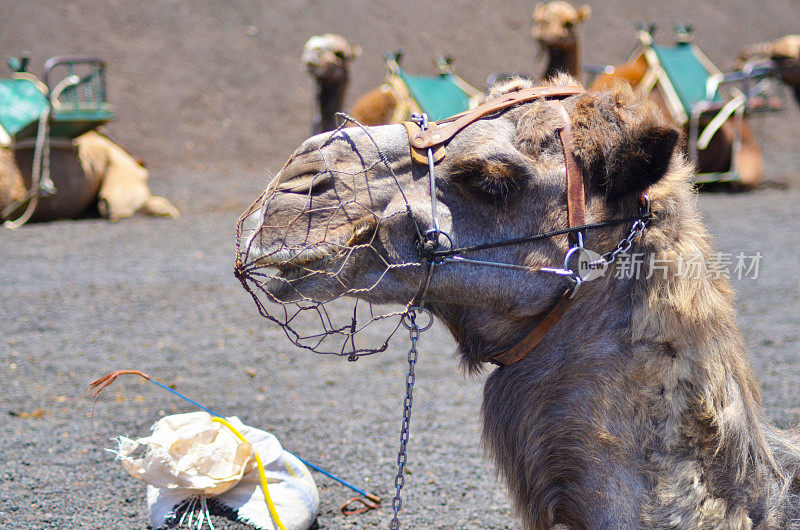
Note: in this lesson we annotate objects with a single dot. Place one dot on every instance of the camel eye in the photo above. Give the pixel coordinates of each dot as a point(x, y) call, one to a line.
point(493, 179)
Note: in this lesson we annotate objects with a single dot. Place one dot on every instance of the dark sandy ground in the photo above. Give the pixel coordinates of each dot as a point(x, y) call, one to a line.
point(212, 95)
point(81, 298)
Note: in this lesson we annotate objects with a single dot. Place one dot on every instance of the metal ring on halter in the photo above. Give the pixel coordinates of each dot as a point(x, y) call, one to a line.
point(416, 310)
point(429, 234)
point(433, 235)
point(570, 252)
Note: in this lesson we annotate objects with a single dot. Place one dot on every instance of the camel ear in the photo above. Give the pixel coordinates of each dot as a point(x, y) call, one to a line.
point(537, 9)
point(639, 160)
point(355, 51)
point(584, 13)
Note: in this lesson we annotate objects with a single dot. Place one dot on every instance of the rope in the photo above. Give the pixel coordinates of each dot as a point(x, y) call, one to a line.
point(40, 175)
point(263, 476)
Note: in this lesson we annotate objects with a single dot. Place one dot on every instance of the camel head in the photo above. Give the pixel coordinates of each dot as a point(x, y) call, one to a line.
point(786, 48)
point(784, 53)
point(343, 214)
point(555, 23)
point(328, 56)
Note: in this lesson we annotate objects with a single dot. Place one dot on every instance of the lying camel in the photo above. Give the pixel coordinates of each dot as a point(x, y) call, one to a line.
point(718, 156)
point(327, 58)
point(92, 168)
point(123, 190)
point(785, 53)
point(639, 407)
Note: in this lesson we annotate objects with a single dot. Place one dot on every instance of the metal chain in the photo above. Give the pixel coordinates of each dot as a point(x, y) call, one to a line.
point(625, 245)
point(399, 479)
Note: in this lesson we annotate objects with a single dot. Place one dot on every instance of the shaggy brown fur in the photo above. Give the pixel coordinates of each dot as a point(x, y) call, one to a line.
point(640, 408)
point(645, 383)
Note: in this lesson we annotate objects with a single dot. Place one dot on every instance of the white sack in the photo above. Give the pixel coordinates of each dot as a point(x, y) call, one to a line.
point(189, 456)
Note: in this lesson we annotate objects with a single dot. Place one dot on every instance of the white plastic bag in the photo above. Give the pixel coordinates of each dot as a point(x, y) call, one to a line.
point(189, 456)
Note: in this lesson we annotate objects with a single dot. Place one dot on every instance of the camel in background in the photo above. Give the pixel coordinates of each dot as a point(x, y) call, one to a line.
point(92, 169)
point(639, 408)
point(327, 58)
point(717, 157)
point(555, 26)
point(785, 53)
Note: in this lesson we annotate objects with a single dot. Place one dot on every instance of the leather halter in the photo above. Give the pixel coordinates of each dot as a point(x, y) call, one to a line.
point(428, 147)
point(576, 216)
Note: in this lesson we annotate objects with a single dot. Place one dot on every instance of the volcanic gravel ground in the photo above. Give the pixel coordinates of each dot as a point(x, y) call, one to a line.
point(82, 298)
point(212, 95)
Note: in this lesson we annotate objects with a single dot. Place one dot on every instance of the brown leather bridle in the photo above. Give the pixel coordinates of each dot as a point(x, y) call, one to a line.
point(428, 146)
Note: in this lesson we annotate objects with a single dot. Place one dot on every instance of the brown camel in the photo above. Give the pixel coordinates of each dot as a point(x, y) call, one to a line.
point(718, 156)
point(785, 53)
point(555, 26)
point(91, 169)
point(327, 58)
point(639, 409)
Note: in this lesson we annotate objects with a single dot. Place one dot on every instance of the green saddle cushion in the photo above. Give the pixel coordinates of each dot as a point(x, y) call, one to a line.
point(686, 72)
point(21, 105)
point(439, 96)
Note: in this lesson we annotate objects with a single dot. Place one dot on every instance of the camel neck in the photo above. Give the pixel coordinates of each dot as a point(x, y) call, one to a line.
point(646, 374)
point(563, 61)
point(330, 100)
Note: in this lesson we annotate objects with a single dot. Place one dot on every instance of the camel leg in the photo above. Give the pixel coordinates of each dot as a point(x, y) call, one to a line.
point(749, 162)
point(159, 206)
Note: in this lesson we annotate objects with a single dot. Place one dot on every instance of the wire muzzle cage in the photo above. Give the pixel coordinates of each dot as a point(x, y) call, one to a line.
point(309, 251)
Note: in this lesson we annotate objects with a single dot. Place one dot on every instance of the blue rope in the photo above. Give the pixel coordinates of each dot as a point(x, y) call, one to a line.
point(309, 464)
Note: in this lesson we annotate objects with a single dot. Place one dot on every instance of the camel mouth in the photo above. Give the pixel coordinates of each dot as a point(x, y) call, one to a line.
point(294, 262)
point(308, 257)
point(292, 266)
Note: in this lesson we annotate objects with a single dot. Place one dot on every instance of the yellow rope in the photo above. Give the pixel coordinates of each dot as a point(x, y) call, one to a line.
point(261, 473)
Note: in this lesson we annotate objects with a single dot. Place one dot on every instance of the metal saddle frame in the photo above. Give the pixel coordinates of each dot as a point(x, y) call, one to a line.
point(438, 96)
point(699, 96)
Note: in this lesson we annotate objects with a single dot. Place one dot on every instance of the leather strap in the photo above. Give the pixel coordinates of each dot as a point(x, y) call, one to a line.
point(576, 216)
point(576, 193)
point(521, 349)
point(443, 131)
point(439, 133)
point(420, 156)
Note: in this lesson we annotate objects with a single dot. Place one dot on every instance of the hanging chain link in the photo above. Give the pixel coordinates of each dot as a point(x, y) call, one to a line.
point(405, 431)
point(625, 245)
